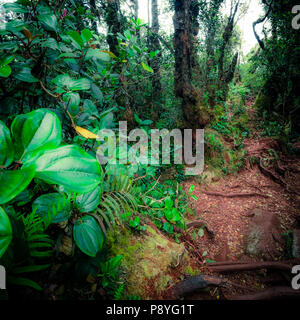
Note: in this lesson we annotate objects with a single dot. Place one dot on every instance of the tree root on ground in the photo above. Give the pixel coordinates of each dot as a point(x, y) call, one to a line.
point(271, 293)
point(234, 195)
point(245, 266)
point(196, 283)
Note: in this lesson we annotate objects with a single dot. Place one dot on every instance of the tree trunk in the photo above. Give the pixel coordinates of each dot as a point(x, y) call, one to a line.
point(95, 14)
point(135, 6)
point(195, 113)
point(113, 20)
point(155, 62)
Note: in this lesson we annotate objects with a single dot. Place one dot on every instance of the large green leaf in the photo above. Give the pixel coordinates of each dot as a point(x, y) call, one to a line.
point(89, 201)
point(75, 36)
point(70, 167)
point(52, 207)
point(49, 21)
point(34, 132)
point(14, 182)
point(65, 82)
point(97, 54)
point(5, 231)
point(25, 75)
point(88, 235)
point(72, 100)
point(5, 71)
point(6, 146)
point(86, 35)
point(15, 7)
point(12, 26)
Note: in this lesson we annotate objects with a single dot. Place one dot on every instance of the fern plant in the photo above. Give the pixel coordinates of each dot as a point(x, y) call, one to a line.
point(120, 195)
point(30, 244)
point(34, 235)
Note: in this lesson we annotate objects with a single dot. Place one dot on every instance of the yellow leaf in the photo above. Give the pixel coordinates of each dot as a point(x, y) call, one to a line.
point(124, 44)
point(124, 61)
point(112, 55)
point(85, 133)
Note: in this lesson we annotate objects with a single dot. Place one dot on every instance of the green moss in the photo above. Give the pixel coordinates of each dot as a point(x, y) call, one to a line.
point(120, 242)
point(148, 257)
point(190, 271)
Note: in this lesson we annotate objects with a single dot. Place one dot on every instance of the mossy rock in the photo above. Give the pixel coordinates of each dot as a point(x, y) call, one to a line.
point(148, 260)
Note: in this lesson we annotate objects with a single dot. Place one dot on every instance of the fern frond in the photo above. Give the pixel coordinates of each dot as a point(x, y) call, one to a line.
point(119, 196)
point(34, 235)
point(119, 292)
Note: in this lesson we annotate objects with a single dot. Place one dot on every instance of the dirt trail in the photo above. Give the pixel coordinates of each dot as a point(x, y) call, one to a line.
point(229, 218)
point(229, 215)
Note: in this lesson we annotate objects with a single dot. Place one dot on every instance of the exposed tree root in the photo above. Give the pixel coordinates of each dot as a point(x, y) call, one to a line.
point(240, 266)
point(271, 293)
point(194, 283)
point(275, 177)
point(270, 174)
point(234, 195)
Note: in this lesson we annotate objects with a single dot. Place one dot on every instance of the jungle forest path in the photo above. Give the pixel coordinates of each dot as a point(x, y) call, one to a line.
point(248, 212)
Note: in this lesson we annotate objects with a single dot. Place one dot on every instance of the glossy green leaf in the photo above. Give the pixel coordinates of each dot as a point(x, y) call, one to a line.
point(14, 182)
point(7, 60)
point(65, 81)
point(80, 84)
point(97, 54)
point(77, 38)
point(25, 75)
point(34, 132)
point(6, 146)
point(15, 7)
point(5, 71)
point(52, 207)
point(70, 167)
point(88, 235)
point(97, 93)
point(86, 35)
point(5, 232)
point(72, 100)
point(49, 21)
point(89, 201)
point(12, 26)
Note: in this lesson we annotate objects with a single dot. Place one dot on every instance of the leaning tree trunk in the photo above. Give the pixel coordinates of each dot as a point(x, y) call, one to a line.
point(226, 37)
point(195, 113)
